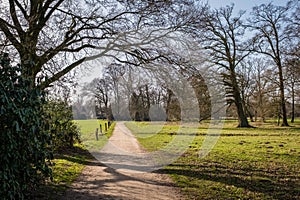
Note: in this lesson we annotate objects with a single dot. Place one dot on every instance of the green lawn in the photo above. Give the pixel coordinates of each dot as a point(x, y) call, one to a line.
point(256, 163)
point(88, 133)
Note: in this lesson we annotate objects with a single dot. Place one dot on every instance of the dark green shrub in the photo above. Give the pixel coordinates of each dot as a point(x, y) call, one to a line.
point(64, 131)
point(24, 141)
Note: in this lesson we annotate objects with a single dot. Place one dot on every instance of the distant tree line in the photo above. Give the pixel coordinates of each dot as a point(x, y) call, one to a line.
point(134, 94)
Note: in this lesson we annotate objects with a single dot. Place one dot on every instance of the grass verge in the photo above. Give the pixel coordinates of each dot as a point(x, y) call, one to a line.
point(69, 163)
point(67, 166)
point(88, 133)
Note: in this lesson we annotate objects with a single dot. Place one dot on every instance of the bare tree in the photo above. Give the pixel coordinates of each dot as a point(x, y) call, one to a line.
point(293, 82)
point(203, 96)
point(140, 102)
point(259, 84)
point(293, 54)
point(69, 32)
point(245, 81)
point(100, 89)
point(221, 35)
point(270, 24)
point(114, 72)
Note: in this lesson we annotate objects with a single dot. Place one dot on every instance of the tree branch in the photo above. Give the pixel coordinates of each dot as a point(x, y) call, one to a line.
point(60, 74)
point(4, 27)
point(15, 19)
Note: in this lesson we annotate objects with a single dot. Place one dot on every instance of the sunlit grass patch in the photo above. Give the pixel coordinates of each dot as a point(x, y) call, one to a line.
point(66, 167)
point(66, 171)
point(68, 164)
point(255, 163)
point(88, 133)
point(153, 136)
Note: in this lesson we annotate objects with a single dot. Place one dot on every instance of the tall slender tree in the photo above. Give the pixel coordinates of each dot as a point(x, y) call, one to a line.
point(270, 24)
point(293, 82)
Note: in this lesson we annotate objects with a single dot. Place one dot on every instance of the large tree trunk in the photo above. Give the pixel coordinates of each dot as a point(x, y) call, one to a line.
point(169, 97)
point(243, 121)
point(282, 98)
point(251, 116)
point(148, 104)
point(293, 104)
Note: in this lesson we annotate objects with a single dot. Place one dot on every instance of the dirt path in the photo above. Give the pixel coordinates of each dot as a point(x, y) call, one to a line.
point(99, 181)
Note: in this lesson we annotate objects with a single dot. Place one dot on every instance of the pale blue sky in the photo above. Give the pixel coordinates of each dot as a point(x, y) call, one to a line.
point(243, 4)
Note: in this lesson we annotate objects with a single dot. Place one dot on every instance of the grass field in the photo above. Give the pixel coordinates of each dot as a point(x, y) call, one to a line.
point(88, 133)
point(256, 163)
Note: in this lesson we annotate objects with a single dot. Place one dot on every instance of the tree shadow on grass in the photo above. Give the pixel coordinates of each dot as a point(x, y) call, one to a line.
point(50, 190)
point(72, 152)
point(275, 185)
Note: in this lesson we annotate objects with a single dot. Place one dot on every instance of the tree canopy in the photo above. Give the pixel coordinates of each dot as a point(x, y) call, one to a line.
point(52, 37)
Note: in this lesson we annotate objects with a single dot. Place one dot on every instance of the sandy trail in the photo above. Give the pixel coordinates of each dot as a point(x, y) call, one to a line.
point(99, 181)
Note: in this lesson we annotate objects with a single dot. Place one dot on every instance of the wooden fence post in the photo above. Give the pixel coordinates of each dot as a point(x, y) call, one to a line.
point(101, 129)
point(105, 126)
point(97, 134)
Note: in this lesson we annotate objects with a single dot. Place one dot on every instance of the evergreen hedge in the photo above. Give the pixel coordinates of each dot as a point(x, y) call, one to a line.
point(25, 149)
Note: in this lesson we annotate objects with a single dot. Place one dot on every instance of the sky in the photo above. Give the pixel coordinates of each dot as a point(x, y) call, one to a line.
point(243, 4)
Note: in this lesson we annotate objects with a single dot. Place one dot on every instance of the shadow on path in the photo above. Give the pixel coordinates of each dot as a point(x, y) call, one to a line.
point(101, 182)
